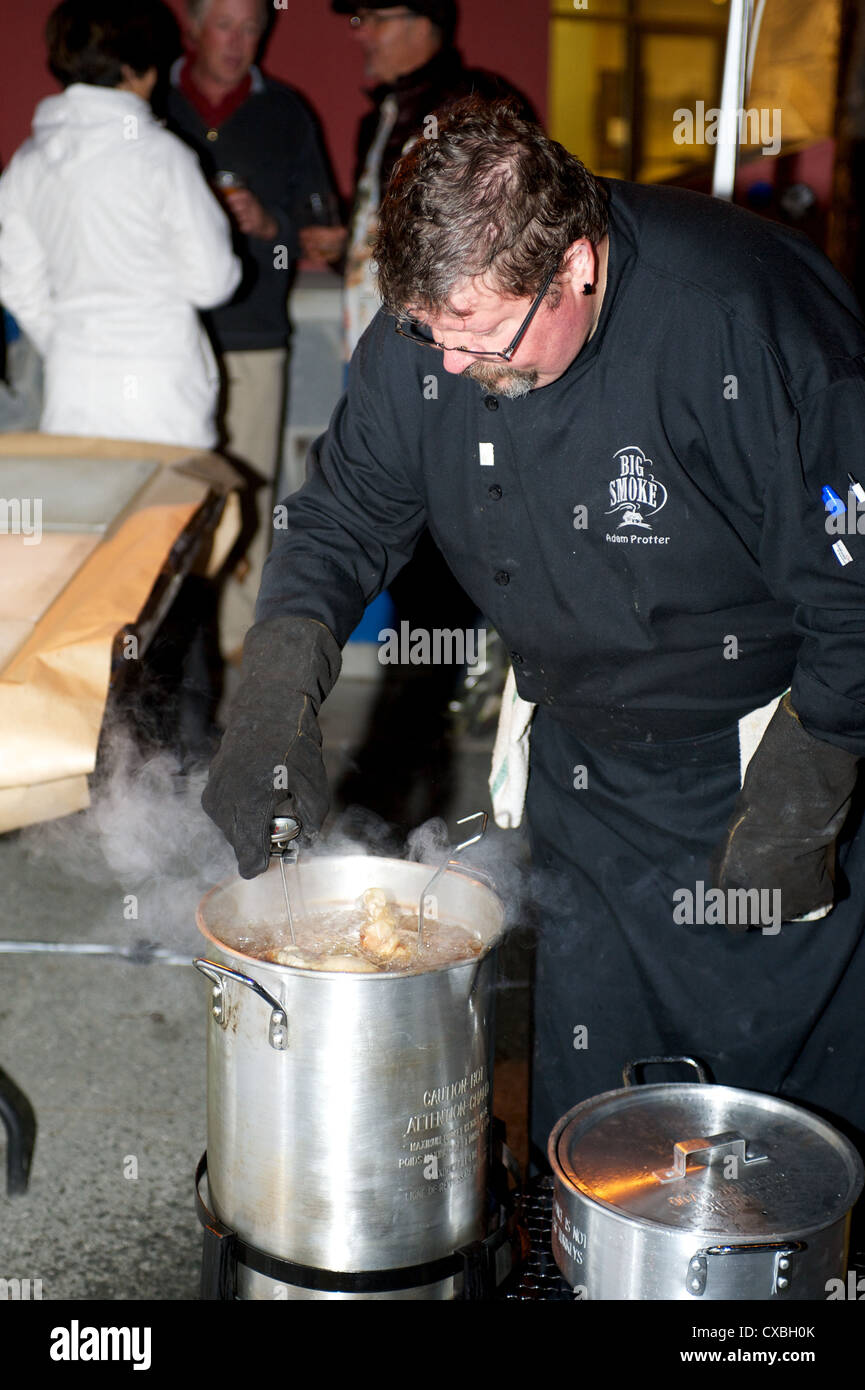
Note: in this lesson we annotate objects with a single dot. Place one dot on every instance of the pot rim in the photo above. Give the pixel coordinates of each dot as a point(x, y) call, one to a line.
point(565, 1187)
point(487, 947)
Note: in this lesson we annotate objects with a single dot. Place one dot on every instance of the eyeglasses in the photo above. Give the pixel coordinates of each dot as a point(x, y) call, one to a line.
point(377, 17)
point(416, 333)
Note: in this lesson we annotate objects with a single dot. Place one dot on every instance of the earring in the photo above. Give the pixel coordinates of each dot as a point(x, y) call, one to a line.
point(588, 289)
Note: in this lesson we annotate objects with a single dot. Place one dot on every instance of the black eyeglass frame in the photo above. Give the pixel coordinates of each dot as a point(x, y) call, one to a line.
point(506, 354)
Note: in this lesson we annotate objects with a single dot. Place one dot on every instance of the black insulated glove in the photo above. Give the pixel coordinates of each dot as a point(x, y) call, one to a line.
point(289, 666)
point(787, 817)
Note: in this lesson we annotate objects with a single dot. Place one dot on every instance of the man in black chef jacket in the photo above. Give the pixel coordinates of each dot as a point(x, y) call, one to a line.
point(630, 417)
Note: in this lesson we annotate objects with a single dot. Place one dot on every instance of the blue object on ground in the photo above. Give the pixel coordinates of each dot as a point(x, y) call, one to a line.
point(379, 614)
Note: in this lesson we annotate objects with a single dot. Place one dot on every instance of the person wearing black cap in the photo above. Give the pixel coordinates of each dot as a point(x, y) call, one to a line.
point(415, 72)
point(410, 58)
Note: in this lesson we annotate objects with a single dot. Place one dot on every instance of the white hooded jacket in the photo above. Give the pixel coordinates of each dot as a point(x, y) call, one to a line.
point(110, 240)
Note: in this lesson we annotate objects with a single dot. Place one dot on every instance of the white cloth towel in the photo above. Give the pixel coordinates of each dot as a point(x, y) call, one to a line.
point(752, 727)
point(509, 776)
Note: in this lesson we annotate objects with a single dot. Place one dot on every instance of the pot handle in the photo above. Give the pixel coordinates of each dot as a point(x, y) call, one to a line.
point(278, 1030)
point(717, 1146)
point(781, 1259)
point(629, 1071)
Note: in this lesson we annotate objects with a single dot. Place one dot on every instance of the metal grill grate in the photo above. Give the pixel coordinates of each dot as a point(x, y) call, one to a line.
point(539, 1278)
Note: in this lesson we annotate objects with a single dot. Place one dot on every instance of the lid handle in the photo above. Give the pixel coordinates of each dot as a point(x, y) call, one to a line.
point(629, 1071)
point(712, 1148)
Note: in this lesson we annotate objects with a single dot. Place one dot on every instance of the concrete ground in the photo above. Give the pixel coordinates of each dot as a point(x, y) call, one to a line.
point(111, 1053)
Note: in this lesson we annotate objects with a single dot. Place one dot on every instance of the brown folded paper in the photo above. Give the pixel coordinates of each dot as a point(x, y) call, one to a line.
point(54, 685)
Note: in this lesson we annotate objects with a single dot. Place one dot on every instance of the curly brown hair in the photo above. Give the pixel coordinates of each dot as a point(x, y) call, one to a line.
point(490, 193)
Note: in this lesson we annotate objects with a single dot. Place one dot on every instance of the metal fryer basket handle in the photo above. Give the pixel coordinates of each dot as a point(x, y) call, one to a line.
point(476, 815)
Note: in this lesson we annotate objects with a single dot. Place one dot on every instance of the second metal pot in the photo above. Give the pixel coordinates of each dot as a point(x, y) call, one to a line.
point(695, 1191)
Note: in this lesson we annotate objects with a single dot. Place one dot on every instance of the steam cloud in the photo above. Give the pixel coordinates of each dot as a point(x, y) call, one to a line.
point(146, 834)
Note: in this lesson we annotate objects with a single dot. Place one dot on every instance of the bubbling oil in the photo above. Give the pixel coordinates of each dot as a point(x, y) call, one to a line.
point(331, 939)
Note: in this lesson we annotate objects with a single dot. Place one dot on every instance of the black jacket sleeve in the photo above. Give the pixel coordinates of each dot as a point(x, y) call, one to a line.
point(341, 539)
point(817, 448)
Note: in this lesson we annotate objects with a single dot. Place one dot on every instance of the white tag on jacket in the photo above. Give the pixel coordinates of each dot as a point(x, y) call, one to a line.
point(487, 454)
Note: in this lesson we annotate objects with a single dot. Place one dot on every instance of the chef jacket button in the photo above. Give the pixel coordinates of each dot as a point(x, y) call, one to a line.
point(491, 403)
point(502, 577)
point(495, 492)
point(213, 135)
point(516, 659)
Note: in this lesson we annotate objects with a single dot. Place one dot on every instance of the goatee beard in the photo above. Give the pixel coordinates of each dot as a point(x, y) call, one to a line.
point(510, 382)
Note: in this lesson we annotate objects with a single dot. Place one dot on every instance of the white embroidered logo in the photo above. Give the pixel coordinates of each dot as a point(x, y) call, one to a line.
point(635, 492)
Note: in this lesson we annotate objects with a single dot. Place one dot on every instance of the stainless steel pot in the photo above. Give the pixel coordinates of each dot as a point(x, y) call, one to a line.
point(348, 1115)
point(690, 1191)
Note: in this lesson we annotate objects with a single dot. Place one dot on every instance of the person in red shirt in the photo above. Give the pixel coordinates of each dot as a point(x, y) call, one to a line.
point(260, 147)
point(217, 82)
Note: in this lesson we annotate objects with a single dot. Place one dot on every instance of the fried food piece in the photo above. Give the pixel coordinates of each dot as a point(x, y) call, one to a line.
point(349, 965)
point(379, 936)
point(353, 965)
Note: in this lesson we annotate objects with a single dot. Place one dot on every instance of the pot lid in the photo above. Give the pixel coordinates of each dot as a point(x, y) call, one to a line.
point(707, 1158)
